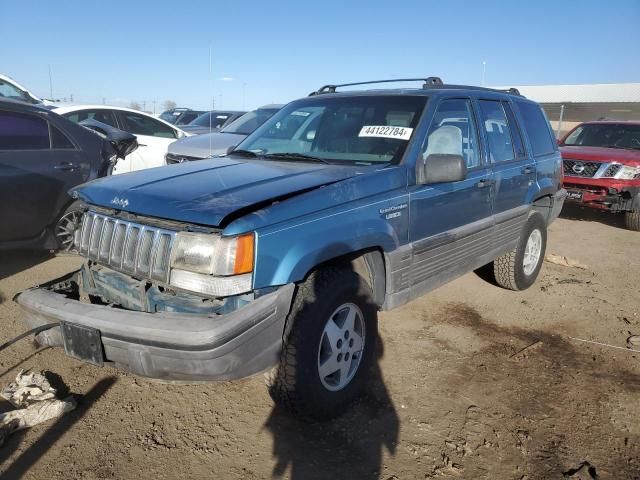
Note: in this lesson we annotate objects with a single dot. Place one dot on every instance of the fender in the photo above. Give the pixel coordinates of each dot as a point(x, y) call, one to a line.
point(285, 257)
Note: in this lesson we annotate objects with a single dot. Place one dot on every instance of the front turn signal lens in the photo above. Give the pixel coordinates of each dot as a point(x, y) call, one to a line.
point(244, 254)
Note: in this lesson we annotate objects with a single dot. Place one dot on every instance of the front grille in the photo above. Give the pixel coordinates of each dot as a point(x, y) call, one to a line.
point(140, 250)
point(172, 158)
point(612, 170)
point(578, 168)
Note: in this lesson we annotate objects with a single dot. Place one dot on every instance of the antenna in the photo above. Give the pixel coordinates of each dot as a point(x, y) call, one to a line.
point(50, 84)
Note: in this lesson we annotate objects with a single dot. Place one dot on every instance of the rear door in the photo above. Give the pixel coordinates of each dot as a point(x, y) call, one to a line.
point(513, 170)
point(38, 164)
point(154, 138)
point(451, 224)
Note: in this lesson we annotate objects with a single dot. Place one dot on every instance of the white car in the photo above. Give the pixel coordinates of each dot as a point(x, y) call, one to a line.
point(154, 135)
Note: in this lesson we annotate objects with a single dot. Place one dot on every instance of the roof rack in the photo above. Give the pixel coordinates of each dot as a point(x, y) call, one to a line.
point(428, 82)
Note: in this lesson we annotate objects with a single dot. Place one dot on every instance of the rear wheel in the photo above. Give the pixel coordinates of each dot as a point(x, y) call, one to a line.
point(329, 350)
point(518, 269)
point(632, 220)
point(66, 226)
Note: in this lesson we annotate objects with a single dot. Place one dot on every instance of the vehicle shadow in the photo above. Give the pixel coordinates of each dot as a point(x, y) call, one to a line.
point(12, 262)
point(585, 214)
point(350, 446)
point(41, 446)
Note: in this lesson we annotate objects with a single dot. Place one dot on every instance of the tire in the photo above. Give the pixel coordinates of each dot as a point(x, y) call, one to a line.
point(510, 270)
point(66, 225)
point(632, 220)
point(300, 383)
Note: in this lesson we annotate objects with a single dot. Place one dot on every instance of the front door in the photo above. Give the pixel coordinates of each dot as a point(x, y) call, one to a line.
point(451, 223)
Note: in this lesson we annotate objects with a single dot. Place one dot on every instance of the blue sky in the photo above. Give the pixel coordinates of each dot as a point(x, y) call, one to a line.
point(275, 51)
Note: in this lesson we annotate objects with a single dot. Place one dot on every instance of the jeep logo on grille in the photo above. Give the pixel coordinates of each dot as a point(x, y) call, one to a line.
point(578, 168)
point(120, 202)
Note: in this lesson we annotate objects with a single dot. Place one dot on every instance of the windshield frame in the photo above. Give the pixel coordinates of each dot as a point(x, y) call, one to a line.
point(421, 100)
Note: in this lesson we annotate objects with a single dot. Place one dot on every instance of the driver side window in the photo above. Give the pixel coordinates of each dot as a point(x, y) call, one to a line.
point(453, 132)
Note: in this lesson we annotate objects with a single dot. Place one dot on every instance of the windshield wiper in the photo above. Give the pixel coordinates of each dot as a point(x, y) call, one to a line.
point(243, 153)
point(297, 156)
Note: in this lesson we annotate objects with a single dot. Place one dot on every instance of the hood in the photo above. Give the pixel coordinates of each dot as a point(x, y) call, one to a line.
point(602, 154)
point(204, 146)
point(208, 191)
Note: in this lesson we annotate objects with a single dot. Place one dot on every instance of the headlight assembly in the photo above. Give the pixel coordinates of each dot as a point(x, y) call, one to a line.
point(212, 264)
point(628, 173)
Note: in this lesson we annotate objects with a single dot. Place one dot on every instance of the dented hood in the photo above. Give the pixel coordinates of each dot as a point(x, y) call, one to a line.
point(208, 191)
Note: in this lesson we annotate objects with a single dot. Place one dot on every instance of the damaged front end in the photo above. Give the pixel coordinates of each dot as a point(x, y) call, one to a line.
point(122, 306)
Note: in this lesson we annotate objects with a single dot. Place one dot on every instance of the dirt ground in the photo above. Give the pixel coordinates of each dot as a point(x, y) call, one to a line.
point(454, 395)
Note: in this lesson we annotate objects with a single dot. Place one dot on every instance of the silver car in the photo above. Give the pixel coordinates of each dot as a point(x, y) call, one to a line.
point(212, 144)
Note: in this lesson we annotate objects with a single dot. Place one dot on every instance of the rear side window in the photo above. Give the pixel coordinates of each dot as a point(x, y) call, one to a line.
point(23, 132)
point(496, 129)
point(537, 127)
point(59, 140)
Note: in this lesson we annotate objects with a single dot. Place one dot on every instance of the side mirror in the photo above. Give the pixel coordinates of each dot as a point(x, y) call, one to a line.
point(231, 148)
point(442, 168)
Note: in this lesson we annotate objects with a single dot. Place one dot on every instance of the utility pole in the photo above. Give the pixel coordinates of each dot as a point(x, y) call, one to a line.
point(154, 107)
point(50, 84)
point(244, 88)
point(484, 69)
point(144, 105)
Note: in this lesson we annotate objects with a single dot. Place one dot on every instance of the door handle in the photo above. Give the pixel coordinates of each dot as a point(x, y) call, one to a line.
point(143, 145)
point(485, 182)
point(528, 170)
point(65, 166)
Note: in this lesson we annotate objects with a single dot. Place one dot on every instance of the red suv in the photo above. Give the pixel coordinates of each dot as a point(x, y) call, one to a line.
point(602, 167)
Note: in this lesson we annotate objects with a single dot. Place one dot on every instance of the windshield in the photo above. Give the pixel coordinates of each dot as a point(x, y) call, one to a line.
point(360, 129)
point(8, 90)
point(611, 135)
point(215, 119)
point(247, 123)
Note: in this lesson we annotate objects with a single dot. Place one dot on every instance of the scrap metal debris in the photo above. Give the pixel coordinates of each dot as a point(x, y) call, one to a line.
point(564, 261)
point(36, 401)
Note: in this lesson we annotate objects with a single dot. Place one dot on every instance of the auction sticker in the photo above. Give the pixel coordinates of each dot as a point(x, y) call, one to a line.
point(385, 131)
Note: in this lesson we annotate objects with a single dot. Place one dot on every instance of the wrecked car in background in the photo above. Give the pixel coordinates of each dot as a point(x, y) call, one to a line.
point(42, 156)
point(154, 135)
point(602, 167)
point(282, 252)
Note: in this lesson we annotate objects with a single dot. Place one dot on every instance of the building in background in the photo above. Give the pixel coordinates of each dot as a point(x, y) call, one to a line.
point(568, 105)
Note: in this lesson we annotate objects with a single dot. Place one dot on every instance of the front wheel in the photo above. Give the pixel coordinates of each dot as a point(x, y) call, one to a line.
point(330, 347)
point(66, 226)
point(519, 268)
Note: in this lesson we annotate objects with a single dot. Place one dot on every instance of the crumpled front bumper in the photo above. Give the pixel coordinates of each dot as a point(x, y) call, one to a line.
point(172, 346)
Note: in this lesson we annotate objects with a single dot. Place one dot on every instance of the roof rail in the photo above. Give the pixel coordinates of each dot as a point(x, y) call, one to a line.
point(428, 82)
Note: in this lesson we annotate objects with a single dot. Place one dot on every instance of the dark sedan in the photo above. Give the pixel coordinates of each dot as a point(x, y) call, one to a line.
point(42, 156)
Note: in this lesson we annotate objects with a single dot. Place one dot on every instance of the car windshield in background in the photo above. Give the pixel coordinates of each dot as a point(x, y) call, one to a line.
point(248, 123)
point(360, 129)
point(213, 119)
point(610, 135)
point(11, 91)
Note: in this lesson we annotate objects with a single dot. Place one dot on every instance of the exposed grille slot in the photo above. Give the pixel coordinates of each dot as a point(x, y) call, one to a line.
point(612, 170)
point(140, 250)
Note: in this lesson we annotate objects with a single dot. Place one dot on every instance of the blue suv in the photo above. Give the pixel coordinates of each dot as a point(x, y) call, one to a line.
point(281, 253)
